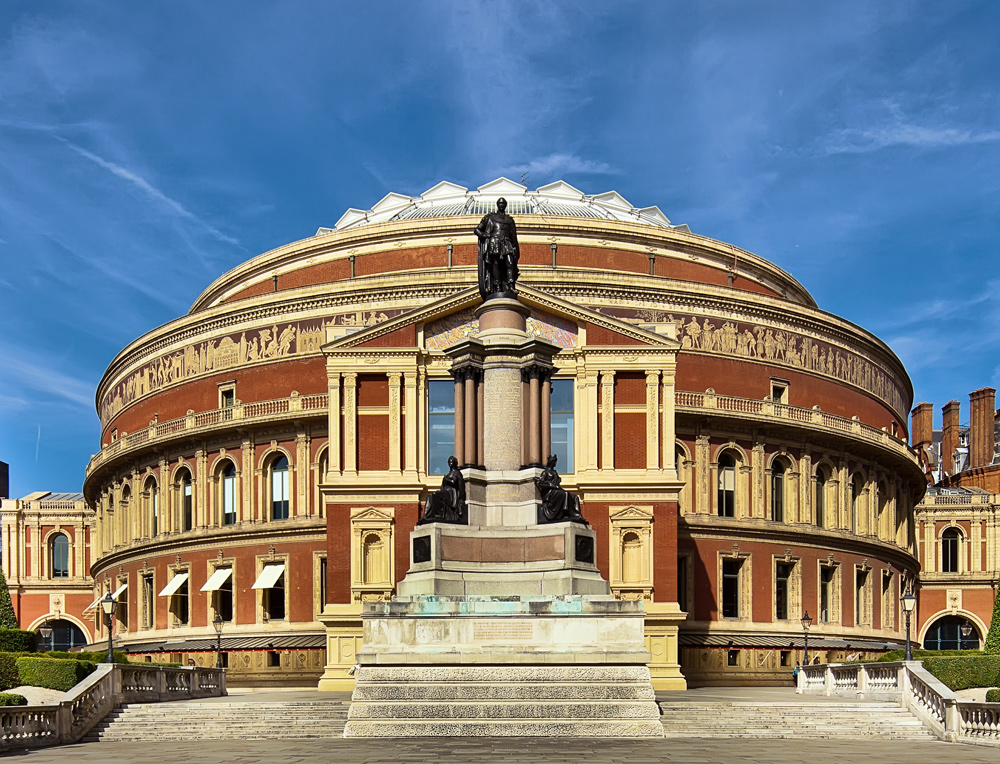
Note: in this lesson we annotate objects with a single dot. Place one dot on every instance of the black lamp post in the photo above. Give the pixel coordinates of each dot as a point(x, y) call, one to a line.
point(217, 623)
point(806, 623)
point(45, 632)
point(908, 602)
point(108, 605)
point(966, 630)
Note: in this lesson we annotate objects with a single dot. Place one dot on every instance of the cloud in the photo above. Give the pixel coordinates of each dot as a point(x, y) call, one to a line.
point(45, 377)
point(558, 164)
point(141, 183)
point(861, 141)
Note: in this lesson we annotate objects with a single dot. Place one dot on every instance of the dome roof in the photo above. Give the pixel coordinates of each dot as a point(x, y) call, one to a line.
point(447, 199)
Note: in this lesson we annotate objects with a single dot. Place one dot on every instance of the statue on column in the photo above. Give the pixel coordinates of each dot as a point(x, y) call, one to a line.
point(558, 504)
point(447, 504)
point(498, 253)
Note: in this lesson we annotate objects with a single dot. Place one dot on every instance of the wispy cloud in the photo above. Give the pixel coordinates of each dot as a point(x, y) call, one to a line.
point(137, 180)
point(864, 140)
point(556, 164)
point(47, 378)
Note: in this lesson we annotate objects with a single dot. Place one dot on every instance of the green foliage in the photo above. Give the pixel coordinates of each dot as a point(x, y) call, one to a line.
point(993, 696)
point(965, 672)
point(918, 655)
point(94, 656)
point(7, 618)
point(17, 641)
point(992, 644)
point(8, 671)
point(53, 673)
point(12, 699)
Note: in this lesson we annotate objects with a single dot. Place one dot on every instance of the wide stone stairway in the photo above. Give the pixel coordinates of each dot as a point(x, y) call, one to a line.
point(231, 719)
point(795, 719)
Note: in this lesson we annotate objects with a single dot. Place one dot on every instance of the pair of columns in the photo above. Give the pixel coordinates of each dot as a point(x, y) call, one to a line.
point(470, 418)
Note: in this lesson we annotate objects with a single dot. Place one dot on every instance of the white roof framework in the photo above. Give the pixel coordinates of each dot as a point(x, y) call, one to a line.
point(447, 199)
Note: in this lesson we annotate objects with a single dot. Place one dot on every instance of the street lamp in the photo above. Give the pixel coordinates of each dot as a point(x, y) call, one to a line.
point(217, 623)
point(966, 629)
point(908, 602)
point(108, 605)
point(45, 632)
point(806, 623)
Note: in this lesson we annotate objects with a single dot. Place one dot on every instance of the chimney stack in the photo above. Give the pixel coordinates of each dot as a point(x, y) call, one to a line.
point(981, 405)
point(949, 435)
point(922, 428)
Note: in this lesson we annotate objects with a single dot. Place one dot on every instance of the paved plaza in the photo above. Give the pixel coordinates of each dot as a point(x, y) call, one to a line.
point(554, 750)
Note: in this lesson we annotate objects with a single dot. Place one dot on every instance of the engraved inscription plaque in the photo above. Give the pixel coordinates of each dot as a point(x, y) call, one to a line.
point(496, 631)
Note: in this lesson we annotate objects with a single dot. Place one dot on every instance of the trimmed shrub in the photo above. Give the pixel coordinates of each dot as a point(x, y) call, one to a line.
point(965, 672)
point(17, 641)
point(919, 655)
point(993, 696)
point(94, 656)
point(8, 671)
point(12, 699)
point(7, 618)
point(53, 673)
point(992, 644)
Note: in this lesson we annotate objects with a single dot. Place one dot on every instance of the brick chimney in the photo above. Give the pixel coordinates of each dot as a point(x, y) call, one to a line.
point(922, 427)
point(949, 435)
point(981, 405)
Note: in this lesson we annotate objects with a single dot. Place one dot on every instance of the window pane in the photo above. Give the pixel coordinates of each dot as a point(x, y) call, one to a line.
point(60, 557)
point(440, 425)
point(731, 588)
point(561, 413)
point(279, 489)
point(229, 495)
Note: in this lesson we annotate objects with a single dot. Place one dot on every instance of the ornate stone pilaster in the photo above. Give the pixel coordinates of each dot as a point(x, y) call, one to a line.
point(201, 518)
point(587, 386)
point(652, 420)
point(246, 481)
point(667, 424)
point(607, 420)
point(702, 457)
point(410, 418)
point(302, 470)
point(758, 506)
point(395, 421)
point(333, 424)
point(805, 488)
point(166, 510)
point(350, 423)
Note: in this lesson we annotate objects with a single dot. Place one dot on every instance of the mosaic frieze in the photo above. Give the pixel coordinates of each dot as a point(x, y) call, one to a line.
point(445, 332)
point(280, 340)
point(749, 340)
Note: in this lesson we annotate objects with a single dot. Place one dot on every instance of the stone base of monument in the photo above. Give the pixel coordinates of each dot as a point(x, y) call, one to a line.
point(503, 666)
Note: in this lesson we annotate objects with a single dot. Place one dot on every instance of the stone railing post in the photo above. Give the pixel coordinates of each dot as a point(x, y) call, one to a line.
point(830, 685)
point(161, 684)
point(952, 720)
point(64, 723)
point(862, 680)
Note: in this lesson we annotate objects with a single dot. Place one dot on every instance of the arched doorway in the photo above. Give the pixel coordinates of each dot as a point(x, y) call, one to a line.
point(65, 635)
point(946, 634)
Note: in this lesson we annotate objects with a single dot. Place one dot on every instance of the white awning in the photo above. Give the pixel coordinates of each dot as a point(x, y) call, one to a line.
point(93, 604)
point(118, 592)
point(175, 584)
point(217, 579)
point(269, 576)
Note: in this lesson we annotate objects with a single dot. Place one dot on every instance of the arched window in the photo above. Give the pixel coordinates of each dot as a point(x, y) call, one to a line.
point(373, 552)
point(228, 494)
point(946, 634)
point(65, 636)
point(153, 507)
point(279, 488)
point(186, 496)
point(821, 481)
point(951, 543)
point(778, 470)
point(727, 486)
point(59, 554)
point(631, 557)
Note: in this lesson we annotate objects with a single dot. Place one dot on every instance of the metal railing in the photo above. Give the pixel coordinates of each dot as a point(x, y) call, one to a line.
point(108, 687)
point(937, 707)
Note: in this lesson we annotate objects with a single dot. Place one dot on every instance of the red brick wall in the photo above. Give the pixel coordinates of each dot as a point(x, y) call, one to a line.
point(598, 335)
point(630, 441)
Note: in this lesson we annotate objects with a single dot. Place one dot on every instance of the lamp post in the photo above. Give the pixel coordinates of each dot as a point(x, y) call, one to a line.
point(217, 623)
point(908, 602)
point(806, 623)
point(108, 605)
point(966, 630)
point(45, 632)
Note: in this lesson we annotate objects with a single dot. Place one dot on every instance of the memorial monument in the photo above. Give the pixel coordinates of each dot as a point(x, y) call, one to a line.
point(503, 624)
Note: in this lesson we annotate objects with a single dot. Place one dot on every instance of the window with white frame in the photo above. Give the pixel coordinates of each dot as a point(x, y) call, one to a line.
point(279, 488)
point(228, 491)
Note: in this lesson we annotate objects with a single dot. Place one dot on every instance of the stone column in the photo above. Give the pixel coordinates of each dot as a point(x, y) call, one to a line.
point(245, 483)
point(589, 409)
point(395, 423)
point(333, 423)
point(481, 419)
point(410, 421)
point(350, 423)
point(471, 417)
point(201, 498)
point(607, 420)
point(653, 420)
point(706, 490)
point(534, 417)
point(459, 416)
point(166, 518)
point(546, 417)
point(302, 460)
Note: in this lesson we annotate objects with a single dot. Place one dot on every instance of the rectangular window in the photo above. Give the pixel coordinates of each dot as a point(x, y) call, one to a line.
point(861, 604)
point(187, 500)
point(731, 588)
point(826, 583)
point(727, 487)
point(782, 589)
point(148, 601)
point(179, 605)
point(224, 600)
point(732, 657)
point(279, 493)
point(779, 391)
point(440, 425)
point(229, 498)
point(322, 583)
point(274, 600)
point(121, 611)
point(561, 413)
point(682, 582)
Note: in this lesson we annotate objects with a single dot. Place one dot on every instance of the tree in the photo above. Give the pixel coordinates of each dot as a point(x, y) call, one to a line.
point(993, 635)
point(7, 618)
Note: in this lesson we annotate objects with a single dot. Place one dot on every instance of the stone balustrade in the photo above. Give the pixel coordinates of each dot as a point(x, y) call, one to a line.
point(96, 696)
point(937, 707)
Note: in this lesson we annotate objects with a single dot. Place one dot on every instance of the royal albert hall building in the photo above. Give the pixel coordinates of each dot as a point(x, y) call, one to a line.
point(741, 454)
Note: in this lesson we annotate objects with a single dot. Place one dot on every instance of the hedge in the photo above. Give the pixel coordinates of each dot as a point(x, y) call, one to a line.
point(12, 699)
point(965, 672)
point(8, 671)
point(919, 655)
point(993, 696)
point(53, 673)
point(94, 656)
point(17, 641)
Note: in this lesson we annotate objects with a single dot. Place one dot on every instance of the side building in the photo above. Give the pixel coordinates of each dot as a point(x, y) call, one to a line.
point(741, 454)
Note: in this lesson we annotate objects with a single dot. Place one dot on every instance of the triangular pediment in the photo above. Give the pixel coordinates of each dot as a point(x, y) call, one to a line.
point(444, 190)
point(451, 319)
point(560, 189)
point(502, 186)
point(631, 513)
point(371, 515)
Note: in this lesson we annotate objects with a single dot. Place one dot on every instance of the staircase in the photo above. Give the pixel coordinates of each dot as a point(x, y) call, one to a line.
point(800, 720)
point(221, 720)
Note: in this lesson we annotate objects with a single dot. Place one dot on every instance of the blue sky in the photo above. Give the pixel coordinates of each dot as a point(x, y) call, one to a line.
point(146, 148)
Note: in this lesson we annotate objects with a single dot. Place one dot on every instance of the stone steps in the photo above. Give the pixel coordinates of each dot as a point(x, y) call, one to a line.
point(222, 721)
point(504, 691)
point(791, 720)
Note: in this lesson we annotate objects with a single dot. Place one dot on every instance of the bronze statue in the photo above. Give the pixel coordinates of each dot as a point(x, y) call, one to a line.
point(447, 504)
point(557, 503)
point(498, 253)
